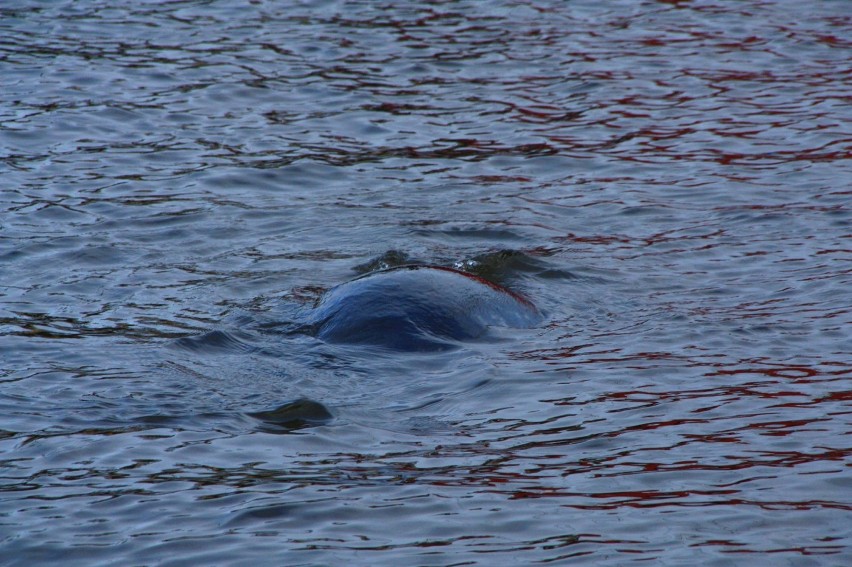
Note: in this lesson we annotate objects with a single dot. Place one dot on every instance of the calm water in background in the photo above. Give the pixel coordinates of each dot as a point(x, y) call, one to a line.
point(179, 178)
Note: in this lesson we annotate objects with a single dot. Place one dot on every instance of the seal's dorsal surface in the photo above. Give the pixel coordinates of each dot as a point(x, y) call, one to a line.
point(418, 308)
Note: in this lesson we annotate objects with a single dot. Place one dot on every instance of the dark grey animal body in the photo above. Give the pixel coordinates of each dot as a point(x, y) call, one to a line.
point(417, 308)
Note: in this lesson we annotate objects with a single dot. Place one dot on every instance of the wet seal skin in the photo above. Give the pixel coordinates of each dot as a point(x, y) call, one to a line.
point(293, 415)
point(418, 308)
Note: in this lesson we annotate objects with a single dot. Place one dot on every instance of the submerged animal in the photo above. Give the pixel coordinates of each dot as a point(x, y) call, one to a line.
point(417, 308)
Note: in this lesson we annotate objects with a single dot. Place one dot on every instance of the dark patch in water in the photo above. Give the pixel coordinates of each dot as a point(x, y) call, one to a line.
point(390, 259)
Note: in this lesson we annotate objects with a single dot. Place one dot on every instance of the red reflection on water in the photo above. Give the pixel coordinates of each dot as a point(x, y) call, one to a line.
point(496, 179)
point(838, 396)
point(833, 40)
point(810, 550)
point(793, 372)
point(596, 239)
point(541, 114)
point(676, 499)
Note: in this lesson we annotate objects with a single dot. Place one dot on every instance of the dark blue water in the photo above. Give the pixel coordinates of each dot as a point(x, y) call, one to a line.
point(667, 181)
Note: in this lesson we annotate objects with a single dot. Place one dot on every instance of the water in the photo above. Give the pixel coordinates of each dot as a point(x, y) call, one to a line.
point(180, 180)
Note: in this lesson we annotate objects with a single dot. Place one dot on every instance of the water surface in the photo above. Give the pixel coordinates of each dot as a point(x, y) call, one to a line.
point(667, 181)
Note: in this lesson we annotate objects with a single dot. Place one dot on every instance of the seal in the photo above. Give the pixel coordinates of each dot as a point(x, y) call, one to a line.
point(418, 308)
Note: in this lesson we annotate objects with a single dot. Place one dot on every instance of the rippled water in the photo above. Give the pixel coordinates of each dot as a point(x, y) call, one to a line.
point(668, 181)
